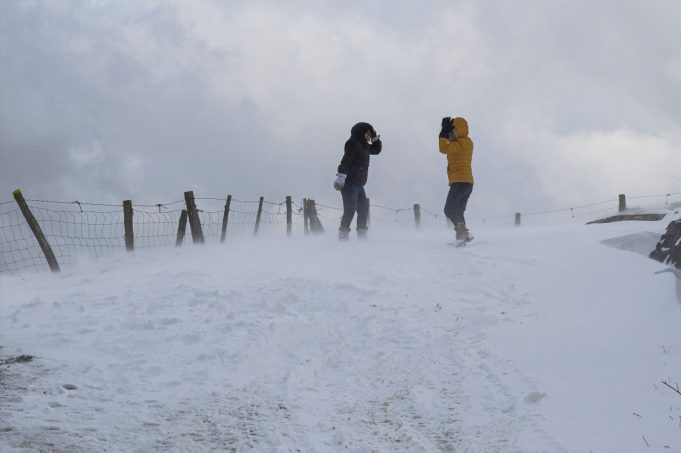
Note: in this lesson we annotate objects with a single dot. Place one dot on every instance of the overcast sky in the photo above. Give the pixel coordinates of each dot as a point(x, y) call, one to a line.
point(568, 102)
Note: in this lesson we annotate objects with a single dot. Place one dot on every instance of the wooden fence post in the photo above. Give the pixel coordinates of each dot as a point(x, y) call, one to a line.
point(289, 215)
point(127, 223)
point(257, 218)
point(37, 231)
point(623, 202)
point(194, 220)
point(181, 228)
point(225, 217)
point(306, 217)
point(417, 215)
point(517, 219)
point(315, 224)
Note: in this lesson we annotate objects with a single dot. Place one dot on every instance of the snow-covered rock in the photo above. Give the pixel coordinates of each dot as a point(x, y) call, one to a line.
point(668, 249)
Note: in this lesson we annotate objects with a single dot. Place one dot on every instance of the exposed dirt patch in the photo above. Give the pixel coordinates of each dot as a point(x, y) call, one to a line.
point(18, 359)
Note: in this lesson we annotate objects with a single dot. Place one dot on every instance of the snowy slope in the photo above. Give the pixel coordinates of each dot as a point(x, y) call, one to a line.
point(531, 339)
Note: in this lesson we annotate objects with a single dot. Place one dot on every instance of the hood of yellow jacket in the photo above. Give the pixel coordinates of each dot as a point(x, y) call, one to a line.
point(460, 126)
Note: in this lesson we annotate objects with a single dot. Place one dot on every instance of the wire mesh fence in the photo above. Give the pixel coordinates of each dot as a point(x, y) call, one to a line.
point(92, 230)
point(242, 218)
point(75, 229)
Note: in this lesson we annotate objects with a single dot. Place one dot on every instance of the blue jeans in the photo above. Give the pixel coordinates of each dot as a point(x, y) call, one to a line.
point(457, 199)
point(354, 199)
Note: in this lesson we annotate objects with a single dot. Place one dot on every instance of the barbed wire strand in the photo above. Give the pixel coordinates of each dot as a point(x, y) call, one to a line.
point(97, 232)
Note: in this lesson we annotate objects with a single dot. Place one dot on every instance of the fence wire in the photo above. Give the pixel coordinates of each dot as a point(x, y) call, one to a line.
point(77, 229)
point(93, 230)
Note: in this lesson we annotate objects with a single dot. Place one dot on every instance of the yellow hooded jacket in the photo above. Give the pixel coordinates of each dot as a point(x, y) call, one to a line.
point(459, 153)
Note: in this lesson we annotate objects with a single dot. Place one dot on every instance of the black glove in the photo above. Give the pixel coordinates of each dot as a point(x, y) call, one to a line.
point(447, 126)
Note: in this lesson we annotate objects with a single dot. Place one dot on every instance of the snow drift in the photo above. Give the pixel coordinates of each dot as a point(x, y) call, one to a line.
point(531, 339)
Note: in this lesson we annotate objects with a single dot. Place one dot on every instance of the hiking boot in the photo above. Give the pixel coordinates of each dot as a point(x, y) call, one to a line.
point(462, 233)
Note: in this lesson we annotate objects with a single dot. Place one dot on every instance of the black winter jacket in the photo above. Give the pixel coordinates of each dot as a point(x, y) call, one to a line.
point(355, 162)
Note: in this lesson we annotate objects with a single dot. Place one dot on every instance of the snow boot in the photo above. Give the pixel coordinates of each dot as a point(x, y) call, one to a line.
point(462, 234)
point(343, 235)
point(362, 233)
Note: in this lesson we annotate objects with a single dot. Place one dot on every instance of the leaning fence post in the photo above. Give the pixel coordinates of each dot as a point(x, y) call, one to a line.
point(306, 217)
point(623, 202)
point(517, 219)
point(315, 224)
point(417, 215)
point(257, 218)
point(181, 228)
point(194, 220)
point(127, 223)
point(37, 231)
point(289, 215)
point(225, 217)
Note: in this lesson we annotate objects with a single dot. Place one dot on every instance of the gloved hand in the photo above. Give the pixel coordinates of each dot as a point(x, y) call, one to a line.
point(375, 138)
point(339, 183)
point(447, 126)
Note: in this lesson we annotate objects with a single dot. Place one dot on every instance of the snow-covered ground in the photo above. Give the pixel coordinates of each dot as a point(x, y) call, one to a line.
point(532, 339)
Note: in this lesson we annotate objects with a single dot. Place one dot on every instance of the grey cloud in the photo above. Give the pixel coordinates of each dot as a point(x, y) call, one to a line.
point(145, 100)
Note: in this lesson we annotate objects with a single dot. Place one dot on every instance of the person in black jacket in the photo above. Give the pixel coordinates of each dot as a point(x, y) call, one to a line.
point(352, 175)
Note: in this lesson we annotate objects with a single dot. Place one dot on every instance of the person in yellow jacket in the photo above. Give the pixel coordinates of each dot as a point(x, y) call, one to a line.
point(458, 146)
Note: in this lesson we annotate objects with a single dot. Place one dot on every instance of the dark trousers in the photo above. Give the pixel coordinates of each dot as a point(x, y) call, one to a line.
point(354, 199)
point(456, 202)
